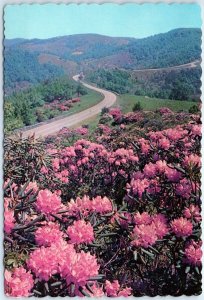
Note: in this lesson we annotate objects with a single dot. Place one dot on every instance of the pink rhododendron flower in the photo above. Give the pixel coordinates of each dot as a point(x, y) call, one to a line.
point(112, 289)
point(160, 223)
point(79, 267)
point(97, 291)
point(193, 253)
point(144, 235)
point(138, 186)
point(192, 212)
point(18, 283)
point(150, 170)
point(80, 232)
point(13, 185)
point(9, 221)
point(32, 186)
point(181, 227)
point(47, 202)
point(143, 218)
point(48, 234)
point(101, 204)
point(192, 159)
point(172, 174)
point(43, 262)
point(161, 166)
point(183, 188)
point(126, 292)
point(164, 143)
point(44, 170)
point(196, 130)
point(148, 229)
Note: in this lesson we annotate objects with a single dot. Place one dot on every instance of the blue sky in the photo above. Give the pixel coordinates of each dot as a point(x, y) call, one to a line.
point(130, 20)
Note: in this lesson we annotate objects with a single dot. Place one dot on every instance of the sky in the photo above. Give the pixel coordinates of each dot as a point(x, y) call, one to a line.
point(127, 20)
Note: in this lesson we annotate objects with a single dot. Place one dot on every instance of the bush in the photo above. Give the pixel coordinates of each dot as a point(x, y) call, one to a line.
point(137, 107)
point(193, 109)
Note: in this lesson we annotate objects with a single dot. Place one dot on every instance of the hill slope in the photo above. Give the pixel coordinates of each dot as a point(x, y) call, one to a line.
point(85, 52)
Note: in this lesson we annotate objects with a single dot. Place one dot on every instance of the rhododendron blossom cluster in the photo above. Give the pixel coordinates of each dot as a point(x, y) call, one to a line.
point(18, 283)
point(116, 215)
point(80, 232)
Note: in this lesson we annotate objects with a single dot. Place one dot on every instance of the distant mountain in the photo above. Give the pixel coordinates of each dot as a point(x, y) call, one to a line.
point(86, 52)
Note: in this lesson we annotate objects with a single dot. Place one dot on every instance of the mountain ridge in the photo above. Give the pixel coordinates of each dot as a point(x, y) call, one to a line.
point(87, 52)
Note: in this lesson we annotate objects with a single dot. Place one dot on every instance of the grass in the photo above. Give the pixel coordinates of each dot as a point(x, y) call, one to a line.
point(126, 102)
point(89, 100)
point(92, 122)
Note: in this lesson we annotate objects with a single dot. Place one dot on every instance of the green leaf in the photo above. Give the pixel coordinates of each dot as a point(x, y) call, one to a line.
point(135, 255)
point(187, 269)
point(148, 253)
point(84, 292)
point(56, 283)
point(10, 262)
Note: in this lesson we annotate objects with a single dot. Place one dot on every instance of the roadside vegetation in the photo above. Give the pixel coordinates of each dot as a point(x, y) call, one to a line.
point(126, 103)
point(46, 101)
point(177, 84)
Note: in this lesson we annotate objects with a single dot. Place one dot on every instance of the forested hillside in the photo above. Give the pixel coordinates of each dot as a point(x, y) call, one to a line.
point(22, 69)
point(173, 48)
point(181, 84)
point(31, 61)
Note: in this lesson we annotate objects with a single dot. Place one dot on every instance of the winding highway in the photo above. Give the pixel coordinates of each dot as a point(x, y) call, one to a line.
point(54, 125)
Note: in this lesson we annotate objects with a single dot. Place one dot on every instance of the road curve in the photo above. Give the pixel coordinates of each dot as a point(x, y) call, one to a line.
point(190, 65)
point(54, 126)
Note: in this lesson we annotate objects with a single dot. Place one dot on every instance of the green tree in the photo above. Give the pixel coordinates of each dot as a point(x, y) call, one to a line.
point(137, 106)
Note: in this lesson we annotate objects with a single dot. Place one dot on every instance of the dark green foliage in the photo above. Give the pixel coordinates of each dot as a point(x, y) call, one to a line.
point(175, 84)
point(21, 68)
point(175, 47)
point(81, 90)
point(104, 110)
point(137, 106)
point(114, 80)
point(26, 107)
point(193, 109)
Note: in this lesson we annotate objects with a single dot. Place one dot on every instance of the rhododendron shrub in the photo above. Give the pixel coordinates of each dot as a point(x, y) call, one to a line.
point(116, 215)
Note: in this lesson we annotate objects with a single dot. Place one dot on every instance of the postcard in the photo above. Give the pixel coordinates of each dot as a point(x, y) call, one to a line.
point(102, 150)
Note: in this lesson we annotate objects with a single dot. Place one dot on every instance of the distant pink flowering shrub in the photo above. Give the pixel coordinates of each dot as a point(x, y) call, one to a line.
point(18, 283)
point(165, 110)
point(82, 130)
point(47, 202)
point(80, 232)
point(48, 234)
point(115, 113)
point(193, 253)
point(181, 227)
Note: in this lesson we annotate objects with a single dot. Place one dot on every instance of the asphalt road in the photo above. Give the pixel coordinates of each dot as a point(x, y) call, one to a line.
point(54, 126)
